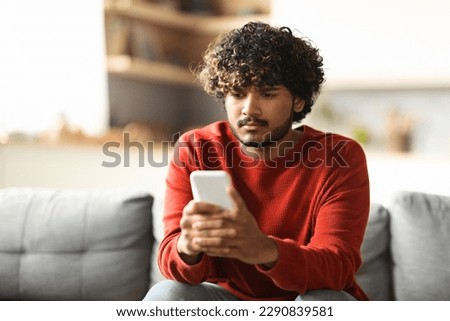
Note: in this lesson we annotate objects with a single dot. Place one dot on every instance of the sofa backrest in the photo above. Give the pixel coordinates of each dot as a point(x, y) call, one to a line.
point(420, 246)
point(74, 244)
point(406, 249)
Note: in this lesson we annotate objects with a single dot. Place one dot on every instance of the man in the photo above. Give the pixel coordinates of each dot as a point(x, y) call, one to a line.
point(300, 196)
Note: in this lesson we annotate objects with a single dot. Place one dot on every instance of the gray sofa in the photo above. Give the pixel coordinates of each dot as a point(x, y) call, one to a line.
point(74, 244)
point(99, 245)
point(406, 249)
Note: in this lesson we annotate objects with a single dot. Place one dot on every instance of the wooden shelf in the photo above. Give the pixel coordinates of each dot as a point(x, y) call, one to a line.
point(186, 35)
point(172, 19)
point(141, 69)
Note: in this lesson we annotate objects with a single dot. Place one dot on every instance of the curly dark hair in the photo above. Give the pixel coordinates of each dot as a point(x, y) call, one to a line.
point(261, 55)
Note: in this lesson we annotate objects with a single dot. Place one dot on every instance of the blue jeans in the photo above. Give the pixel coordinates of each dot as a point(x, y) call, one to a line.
point(169, 290)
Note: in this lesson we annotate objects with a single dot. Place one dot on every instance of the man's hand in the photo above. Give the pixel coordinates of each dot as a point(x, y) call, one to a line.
point(222, 233)
point(194, 212)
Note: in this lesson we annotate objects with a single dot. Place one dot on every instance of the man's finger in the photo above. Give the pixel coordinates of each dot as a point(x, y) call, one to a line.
point(196, 207)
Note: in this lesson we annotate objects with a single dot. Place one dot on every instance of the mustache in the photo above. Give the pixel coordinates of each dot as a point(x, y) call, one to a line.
point(249, 120)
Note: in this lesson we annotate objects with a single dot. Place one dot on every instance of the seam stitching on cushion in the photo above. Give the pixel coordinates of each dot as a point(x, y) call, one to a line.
point(84, 245)
point(22, 237)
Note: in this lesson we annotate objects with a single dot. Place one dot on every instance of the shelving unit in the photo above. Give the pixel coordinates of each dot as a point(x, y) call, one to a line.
point(151, 42)
point(141, 69)
point(170, 18)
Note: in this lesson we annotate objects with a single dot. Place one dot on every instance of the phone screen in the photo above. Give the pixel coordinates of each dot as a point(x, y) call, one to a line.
point(211, 187)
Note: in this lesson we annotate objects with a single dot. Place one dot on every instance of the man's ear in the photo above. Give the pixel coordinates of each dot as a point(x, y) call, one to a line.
point(298, 104)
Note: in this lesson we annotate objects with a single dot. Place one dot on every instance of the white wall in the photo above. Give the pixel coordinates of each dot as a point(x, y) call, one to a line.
point(391, 173)
point(52, 62)
point(375, 42)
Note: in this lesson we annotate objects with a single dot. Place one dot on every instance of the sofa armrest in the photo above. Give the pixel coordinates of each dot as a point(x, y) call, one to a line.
point(374, 275)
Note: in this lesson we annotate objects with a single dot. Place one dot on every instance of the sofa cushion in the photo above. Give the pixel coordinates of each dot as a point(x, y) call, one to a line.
point(374, 275)
point(420, 229)
point(74, 244)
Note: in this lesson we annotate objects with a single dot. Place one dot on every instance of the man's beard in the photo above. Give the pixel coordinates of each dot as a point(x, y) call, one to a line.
point(270, 138)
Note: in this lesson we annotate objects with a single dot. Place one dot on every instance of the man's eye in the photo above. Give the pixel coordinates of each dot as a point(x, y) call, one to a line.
point(268, 94)
point(237, 94)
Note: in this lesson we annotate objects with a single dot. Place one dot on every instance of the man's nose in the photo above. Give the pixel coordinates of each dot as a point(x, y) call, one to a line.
point(251, 105)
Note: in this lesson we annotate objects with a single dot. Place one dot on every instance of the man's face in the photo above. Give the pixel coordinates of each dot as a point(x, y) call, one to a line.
point(261, 116)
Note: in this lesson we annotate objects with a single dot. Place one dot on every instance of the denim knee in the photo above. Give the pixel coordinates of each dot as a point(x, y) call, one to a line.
point(169, 290)
point(325, 295)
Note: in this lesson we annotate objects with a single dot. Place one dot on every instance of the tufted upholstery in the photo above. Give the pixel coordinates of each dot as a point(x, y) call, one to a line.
point(420, 246)
point(406, 249)
point(74, 244)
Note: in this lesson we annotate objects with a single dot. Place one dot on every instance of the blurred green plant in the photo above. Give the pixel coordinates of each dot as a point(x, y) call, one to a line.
point(361, 135)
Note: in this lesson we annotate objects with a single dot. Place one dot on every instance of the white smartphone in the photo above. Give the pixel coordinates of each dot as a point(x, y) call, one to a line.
point(211, 187)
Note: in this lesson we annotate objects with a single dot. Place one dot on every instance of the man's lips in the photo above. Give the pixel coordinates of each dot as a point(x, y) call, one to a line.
point(251, 125)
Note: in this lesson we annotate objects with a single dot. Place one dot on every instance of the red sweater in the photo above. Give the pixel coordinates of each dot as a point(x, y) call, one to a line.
point(313, 202)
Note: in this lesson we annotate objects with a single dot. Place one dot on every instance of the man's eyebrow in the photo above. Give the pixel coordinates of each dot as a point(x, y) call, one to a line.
point(269, 88)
